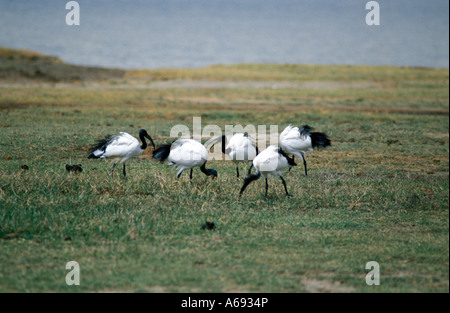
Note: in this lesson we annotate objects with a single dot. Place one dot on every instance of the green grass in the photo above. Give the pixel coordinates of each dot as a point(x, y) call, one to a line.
point(379, 193)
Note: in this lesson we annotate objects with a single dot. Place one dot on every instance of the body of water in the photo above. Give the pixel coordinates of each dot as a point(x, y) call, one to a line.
point(197, 33)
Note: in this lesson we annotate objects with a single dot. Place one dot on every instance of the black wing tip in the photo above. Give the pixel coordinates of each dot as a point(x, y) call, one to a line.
point(305, 130)
point(162, 153)
point(101, 144)
point(320, 140)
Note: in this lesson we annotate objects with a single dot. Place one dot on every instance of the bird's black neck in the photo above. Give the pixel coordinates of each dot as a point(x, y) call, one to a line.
point(224, 143)
point(248, 180)
point(207, 172)
point(144, 143)
point(289, 160)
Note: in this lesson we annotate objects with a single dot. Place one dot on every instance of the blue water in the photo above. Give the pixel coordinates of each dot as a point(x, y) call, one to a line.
point(196, 33)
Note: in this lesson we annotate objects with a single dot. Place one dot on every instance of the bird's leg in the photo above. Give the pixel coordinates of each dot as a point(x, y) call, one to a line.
point(124, 172)
point(237, 171)
point(285, 188)
point(179, 174)
point(112, 168)
point(267, 187)
point(190, 175)
point(304, 163)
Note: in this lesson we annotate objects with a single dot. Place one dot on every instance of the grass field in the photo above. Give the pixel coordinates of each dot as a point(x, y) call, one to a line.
point(379, 193)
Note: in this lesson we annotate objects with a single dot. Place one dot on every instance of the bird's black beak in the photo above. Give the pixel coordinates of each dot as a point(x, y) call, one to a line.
point(151, 140)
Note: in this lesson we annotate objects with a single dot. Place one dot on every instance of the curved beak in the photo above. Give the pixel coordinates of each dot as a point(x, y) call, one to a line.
point(214, 141)
point(151, 140)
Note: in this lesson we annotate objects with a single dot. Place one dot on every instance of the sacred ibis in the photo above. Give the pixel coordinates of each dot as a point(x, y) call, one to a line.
point(298, 141)
point(240, 148)
point(270, 162)
point(185, 154)
point(120, 148)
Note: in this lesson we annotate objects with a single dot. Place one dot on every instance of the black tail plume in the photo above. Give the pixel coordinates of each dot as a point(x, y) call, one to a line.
point(99, 145)
point(162, 153)
point(320, 140)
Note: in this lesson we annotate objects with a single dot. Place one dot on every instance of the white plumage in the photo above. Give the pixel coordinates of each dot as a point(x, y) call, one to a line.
point(270, 162)
point(185, 154)
point(295, 142)
point(299, 141)
point(120, 148)
point(240, 148)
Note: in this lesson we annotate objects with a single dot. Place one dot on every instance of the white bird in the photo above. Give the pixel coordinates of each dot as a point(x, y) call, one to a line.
point(298, 141)
point(120, 148)
point(240, 148)
point(270, 162)
point(185, 154)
